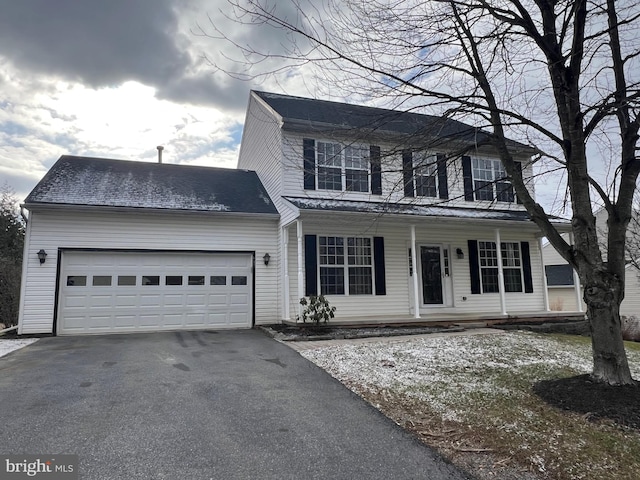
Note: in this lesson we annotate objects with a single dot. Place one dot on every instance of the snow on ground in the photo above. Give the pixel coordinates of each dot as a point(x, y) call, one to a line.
point(451, 372)
point(9, 345)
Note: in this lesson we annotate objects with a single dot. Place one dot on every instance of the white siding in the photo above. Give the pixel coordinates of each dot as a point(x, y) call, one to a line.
point(397, 300)
point(181, 232)
point(392, 179)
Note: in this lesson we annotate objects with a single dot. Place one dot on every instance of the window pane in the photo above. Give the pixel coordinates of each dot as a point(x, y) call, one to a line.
point(238, 280)
point(512, 280)
point(559, 275)
point(329, 178)
point(360, 281)
point(218, 280)
point(359, 251)
point(504, 192)
point(331, 250)
point(426, 186)
point(329, 154)
point(126, 280)
point(510, 254)
point(150, 280)
point(173, 280)
point(76, 281)
point(196, 280)
point(332, 280)
point(484, 190)
point(356, 158)
point(101, 281)
point(489, 280)
point(357, 180)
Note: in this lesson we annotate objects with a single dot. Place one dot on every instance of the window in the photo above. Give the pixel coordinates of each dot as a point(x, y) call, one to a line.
point(345, 271)
point(195, 280)
point(239, 280)
point(511, 266)
point(173, 280)
point(76, 281)
point(126, 280)
point(101, 281)
point(218, 280)
point(559, 275)
point(335, 162)
point(490, 181)
point(425, 173)
point(150, 280)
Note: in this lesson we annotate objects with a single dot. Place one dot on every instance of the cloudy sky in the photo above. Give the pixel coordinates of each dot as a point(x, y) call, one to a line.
point(117, 78)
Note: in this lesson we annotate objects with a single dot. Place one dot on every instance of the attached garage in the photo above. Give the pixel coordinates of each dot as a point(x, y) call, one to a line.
point(115, 292)
point(141, 247)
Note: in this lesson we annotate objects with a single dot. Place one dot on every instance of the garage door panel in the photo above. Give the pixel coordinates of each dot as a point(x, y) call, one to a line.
point(122, 291)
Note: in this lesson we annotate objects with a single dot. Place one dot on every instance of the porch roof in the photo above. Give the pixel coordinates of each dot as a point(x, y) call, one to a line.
point(440, 211)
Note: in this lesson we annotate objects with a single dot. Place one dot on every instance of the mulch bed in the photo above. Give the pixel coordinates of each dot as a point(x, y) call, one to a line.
point(321, 332)
point(594, 400)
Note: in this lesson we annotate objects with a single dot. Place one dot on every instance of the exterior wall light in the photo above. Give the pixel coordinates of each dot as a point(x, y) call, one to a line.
point(42, 256)
point(459, 253)
point(266, 258)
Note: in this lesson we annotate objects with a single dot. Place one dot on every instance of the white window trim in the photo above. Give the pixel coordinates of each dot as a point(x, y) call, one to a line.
point(432, 162)
point(493, 183)
point(510, 267)
point(343, 165)
point(345, 266)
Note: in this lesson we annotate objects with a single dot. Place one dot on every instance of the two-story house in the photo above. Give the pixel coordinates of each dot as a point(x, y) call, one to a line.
point(393, 216)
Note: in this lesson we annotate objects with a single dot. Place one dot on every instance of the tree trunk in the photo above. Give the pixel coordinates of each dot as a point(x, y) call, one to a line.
point(603, 298)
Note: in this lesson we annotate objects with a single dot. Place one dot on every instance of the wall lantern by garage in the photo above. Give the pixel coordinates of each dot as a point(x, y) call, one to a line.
point(459, 253)
point(266, 258)
point(42, 256)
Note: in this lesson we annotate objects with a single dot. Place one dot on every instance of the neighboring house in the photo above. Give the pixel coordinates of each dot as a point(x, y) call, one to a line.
point(134, 246)
point(393, 216)
point(565, 291)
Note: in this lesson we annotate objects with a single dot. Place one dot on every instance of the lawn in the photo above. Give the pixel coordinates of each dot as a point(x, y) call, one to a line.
point(471, 398)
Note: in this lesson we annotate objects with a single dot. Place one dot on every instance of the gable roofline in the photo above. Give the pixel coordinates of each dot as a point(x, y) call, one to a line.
point(306, 115)
point(110, 183)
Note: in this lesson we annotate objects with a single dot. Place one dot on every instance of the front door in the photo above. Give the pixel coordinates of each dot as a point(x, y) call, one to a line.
point(431, 266)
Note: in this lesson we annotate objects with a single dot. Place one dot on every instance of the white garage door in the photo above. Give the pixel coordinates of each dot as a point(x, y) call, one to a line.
point(103, 292)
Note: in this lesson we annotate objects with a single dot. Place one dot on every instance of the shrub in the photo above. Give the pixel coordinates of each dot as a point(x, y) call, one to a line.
point(316, 309)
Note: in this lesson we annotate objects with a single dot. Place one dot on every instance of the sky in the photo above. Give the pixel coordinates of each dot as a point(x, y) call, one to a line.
point(117, 78)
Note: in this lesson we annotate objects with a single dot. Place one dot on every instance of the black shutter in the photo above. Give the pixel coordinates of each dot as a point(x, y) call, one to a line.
point(309, 152)
point(443, 187)
point(467, 178)
point(407, 173)
point(474, 267)
point(519, 168)
point(310, 265)
point(376, 170)
point(378, 261)
point(526, 267)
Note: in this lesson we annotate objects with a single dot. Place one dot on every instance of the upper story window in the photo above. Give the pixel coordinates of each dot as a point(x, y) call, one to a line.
point(486, 179)
point(425, 175)
point(334, 166)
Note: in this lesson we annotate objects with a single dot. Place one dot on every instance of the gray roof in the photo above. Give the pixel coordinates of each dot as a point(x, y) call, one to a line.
point(301, 113)
point(379, 208)
point(104, 182)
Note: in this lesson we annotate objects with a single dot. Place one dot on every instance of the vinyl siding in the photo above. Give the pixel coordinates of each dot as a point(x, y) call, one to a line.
point(392, 179)
point(398, 300)
point(53, 230)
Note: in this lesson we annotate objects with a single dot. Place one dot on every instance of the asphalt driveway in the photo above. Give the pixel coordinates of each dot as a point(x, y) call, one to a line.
point(197, 405)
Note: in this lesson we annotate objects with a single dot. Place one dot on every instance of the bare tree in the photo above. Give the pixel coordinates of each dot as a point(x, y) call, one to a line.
point(11, 242)
point(562, 75)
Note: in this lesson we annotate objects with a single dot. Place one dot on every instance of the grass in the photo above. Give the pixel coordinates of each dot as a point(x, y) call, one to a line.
point(472, 395)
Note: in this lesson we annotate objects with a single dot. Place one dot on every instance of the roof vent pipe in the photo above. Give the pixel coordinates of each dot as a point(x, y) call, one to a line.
point(160, 148)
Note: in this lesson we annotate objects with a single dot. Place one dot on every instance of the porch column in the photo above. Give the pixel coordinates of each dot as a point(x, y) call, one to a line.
point(300, 265)
point(503, 300)
point(414, 262)
point(576, 282)
point(545, 290)
point(285, 264)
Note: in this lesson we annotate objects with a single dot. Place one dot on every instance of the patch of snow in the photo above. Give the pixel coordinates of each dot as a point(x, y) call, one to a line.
point(9, 345)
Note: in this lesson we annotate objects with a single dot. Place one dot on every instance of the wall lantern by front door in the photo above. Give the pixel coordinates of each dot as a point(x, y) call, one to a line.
point(42, 256)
